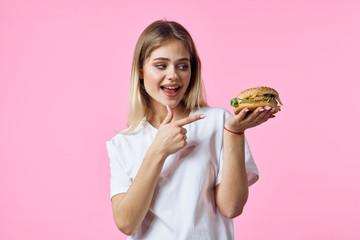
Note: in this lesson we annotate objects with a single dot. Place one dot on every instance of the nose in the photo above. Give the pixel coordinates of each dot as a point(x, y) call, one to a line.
point(171, 74)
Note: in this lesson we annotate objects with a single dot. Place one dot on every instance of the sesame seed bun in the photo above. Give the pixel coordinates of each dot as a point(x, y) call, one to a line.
point(257, 90)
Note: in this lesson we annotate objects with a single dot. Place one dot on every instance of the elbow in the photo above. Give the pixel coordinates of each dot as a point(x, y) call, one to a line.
point(231, 213)
point(231, 209)
point(126, 231)
point(125, 227)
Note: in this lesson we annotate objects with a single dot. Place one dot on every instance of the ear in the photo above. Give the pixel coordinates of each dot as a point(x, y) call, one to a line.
point(141, 73)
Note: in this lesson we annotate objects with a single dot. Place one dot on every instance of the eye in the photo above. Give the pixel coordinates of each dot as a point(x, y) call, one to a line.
point(183, 67)
point(160, 66)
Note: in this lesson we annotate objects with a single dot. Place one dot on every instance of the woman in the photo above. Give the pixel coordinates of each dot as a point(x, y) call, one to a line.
point(182, 169)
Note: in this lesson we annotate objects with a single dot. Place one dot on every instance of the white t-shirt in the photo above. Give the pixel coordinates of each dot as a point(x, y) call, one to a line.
point(183, 206)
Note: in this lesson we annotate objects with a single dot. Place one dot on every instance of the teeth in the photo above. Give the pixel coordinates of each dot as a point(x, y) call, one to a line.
point(171, 87)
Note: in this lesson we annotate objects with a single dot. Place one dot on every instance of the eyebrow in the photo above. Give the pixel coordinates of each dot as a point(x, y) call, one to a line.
point(166, 59)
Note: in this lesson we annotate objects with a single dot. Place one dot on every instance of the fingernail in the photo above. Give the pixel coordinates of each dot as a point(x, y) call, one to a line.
point(246, 110)
point(273, 109)
point(167, 108)
point(202, 116)
point(267, 108)
point(261, 109)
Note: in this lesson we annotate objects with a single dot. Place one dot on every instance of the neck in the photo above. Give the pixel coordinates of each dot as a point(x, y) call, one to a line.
point(157, 114)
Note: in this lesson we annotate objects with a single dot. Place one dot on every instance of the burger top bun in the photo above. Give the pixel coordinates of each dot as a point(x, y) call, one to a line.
point(257, 90)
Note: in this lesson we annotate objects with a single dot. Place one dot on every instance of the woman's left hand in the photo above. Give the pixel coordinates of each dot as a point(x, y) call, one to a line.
point(243, 121)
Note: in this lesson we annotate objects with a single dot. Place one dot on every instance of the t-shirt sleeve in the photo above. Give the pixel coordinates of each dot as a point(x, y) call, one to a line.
point(119, 181)
point(251, 168)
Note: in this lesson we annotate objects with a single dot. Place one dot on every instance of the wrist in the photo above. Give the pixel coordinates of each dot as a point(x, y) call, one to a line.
point(238, 132)
point(156, 153)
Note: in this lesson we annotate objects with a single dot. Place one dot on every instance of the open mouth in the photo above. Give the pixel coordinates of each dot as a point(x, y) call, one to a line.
point(170, 91)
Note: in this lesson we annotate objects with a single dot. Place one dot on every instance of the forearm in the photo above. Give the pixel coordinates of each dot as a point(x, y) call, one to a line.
point(232, 192)
point(132, 209)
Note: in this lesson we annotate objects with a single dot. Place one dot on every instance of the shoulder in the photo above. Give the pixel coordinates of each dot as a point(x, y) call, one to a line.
point(121, 138)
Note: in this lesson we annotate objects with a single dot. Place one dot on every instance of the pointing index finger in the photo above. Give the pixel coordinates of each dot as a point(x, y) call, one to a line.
point(189, 119)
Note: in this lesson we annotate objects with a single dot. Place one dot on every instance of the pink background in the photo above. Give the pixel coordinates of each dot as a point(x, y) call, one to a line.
point(65, 68)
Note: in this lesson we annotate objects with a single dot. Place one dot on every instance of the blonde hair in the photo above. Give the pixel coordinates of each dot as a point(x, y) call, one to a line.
point(150, 39)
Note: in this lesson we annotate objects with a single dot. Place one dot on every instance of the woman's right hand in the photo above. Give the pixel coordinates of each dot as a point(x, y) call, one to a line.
point(171, 136)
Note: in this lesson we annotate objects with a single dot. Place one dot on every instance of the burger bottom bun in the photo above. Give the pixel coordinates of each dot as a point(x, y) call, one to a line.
point(254, 105)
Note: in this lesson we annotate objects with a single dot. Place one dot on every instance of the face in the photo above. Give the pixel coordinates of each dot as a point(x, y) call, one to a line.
point(166, 74)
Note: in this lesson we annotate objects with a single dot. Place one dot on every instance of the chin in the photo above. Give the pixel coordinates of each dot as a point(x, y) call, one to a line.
point(172, 104)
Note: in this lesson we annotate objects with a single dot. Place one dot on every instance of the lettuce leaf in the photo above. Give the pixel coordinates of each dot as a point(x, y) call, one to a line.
point(234, 102)
point(278, 99)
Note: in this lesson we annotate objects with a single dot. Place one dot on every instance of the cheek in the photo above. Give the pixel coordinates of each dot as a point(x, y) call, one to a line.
point(149, 85)
point(186, 79)
point(151, 80)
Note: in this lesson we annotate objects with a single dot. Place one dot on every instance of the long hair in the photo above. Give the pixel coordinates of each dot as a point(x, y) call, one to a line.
point(150, 39)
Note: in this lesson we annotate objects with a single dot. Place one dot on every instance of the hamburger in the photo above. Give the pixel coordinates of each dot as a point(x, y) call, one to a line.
point(253, 98)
